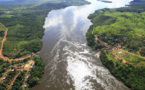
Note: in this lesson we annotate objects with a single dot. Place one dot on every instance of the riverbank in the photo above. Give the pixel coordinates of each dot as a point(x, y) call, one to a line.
point(120, 38)
point(68, 56)
point(26, 30)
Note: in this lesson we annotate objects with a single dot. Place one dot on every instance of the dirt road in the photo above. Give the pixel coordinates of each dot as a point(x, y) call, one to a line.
point(2, 43)
point(1, 49)
point(9, 86)
point(5, 75)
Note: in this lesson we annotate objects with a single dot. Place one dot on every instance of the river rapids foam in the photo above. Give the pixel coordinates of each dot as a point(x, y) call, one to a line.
point(73, 62)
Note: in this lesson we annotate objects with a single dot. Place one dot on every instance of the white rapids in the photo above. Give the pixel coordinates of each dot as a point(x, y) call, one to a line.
point(72, 61)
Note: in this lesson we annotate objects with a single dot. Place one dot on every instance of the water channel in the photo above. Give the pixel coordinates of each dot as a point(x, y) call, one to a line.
point(70, 63)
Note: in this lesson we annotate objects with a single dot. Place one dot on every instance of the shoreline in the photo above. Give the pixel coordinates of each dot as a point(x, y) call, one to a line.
point(39, 67)
point(123, 68)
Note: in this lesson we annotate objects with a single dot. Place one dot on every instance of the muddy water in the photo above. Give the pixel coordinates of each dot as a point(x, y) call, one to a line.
point(70, 63)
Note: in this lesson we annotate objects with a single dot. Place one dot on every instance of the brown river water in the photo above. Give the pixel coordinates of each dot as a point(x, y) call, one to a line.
point(69, 63)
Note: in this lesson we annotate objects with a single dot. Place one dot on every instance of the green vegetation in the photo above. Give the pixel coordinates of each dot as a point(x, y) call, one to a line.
point(132, 76)
point(142, 51)
point(123, 28)
point(2, 30)
point(3, 86)
point(129, 57)
point(10, 77)
point(123, 31)
point(36, 72)
point(3, 67)
point(26, 25)
point(18, 82)
point(24, 20)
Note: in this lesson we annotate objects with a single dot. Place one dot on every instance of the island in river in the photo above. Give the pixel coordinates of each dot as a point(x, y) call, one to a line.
point(119, 36)
point(21, 31)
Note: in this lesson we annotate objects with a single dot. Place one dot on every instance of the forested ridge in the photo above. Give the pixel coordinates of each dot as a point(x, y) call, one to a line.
point(120, 36)
point(21, 22)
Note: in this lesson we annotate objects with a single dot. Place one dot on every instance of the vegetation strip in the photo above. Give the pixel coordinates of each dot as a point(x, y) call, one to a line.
point(5, 75)
point(120, 36)
point(6, 58)
point(2, 42)
point(24, 21)
point(13, 80)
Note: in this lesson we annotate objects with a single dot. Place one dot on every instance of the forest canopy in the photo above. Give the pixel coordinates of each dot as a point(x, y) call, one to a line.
point(120, 36)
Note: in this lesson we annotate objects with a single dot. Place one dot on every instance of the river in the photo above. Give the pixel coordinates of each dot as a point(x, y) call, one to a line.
point(70, 63)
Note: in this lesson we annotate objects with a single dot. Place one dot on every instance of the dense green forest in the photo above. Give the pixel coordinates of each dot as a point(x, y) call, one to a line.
point(120, 36)
point(25, 26)
point(35, 75)
point(24, 20)
point(133, 76)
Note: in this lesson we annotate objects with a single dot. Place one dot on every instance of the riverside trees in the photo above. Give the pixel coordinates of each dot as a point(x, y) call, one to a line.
point(123, 29)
